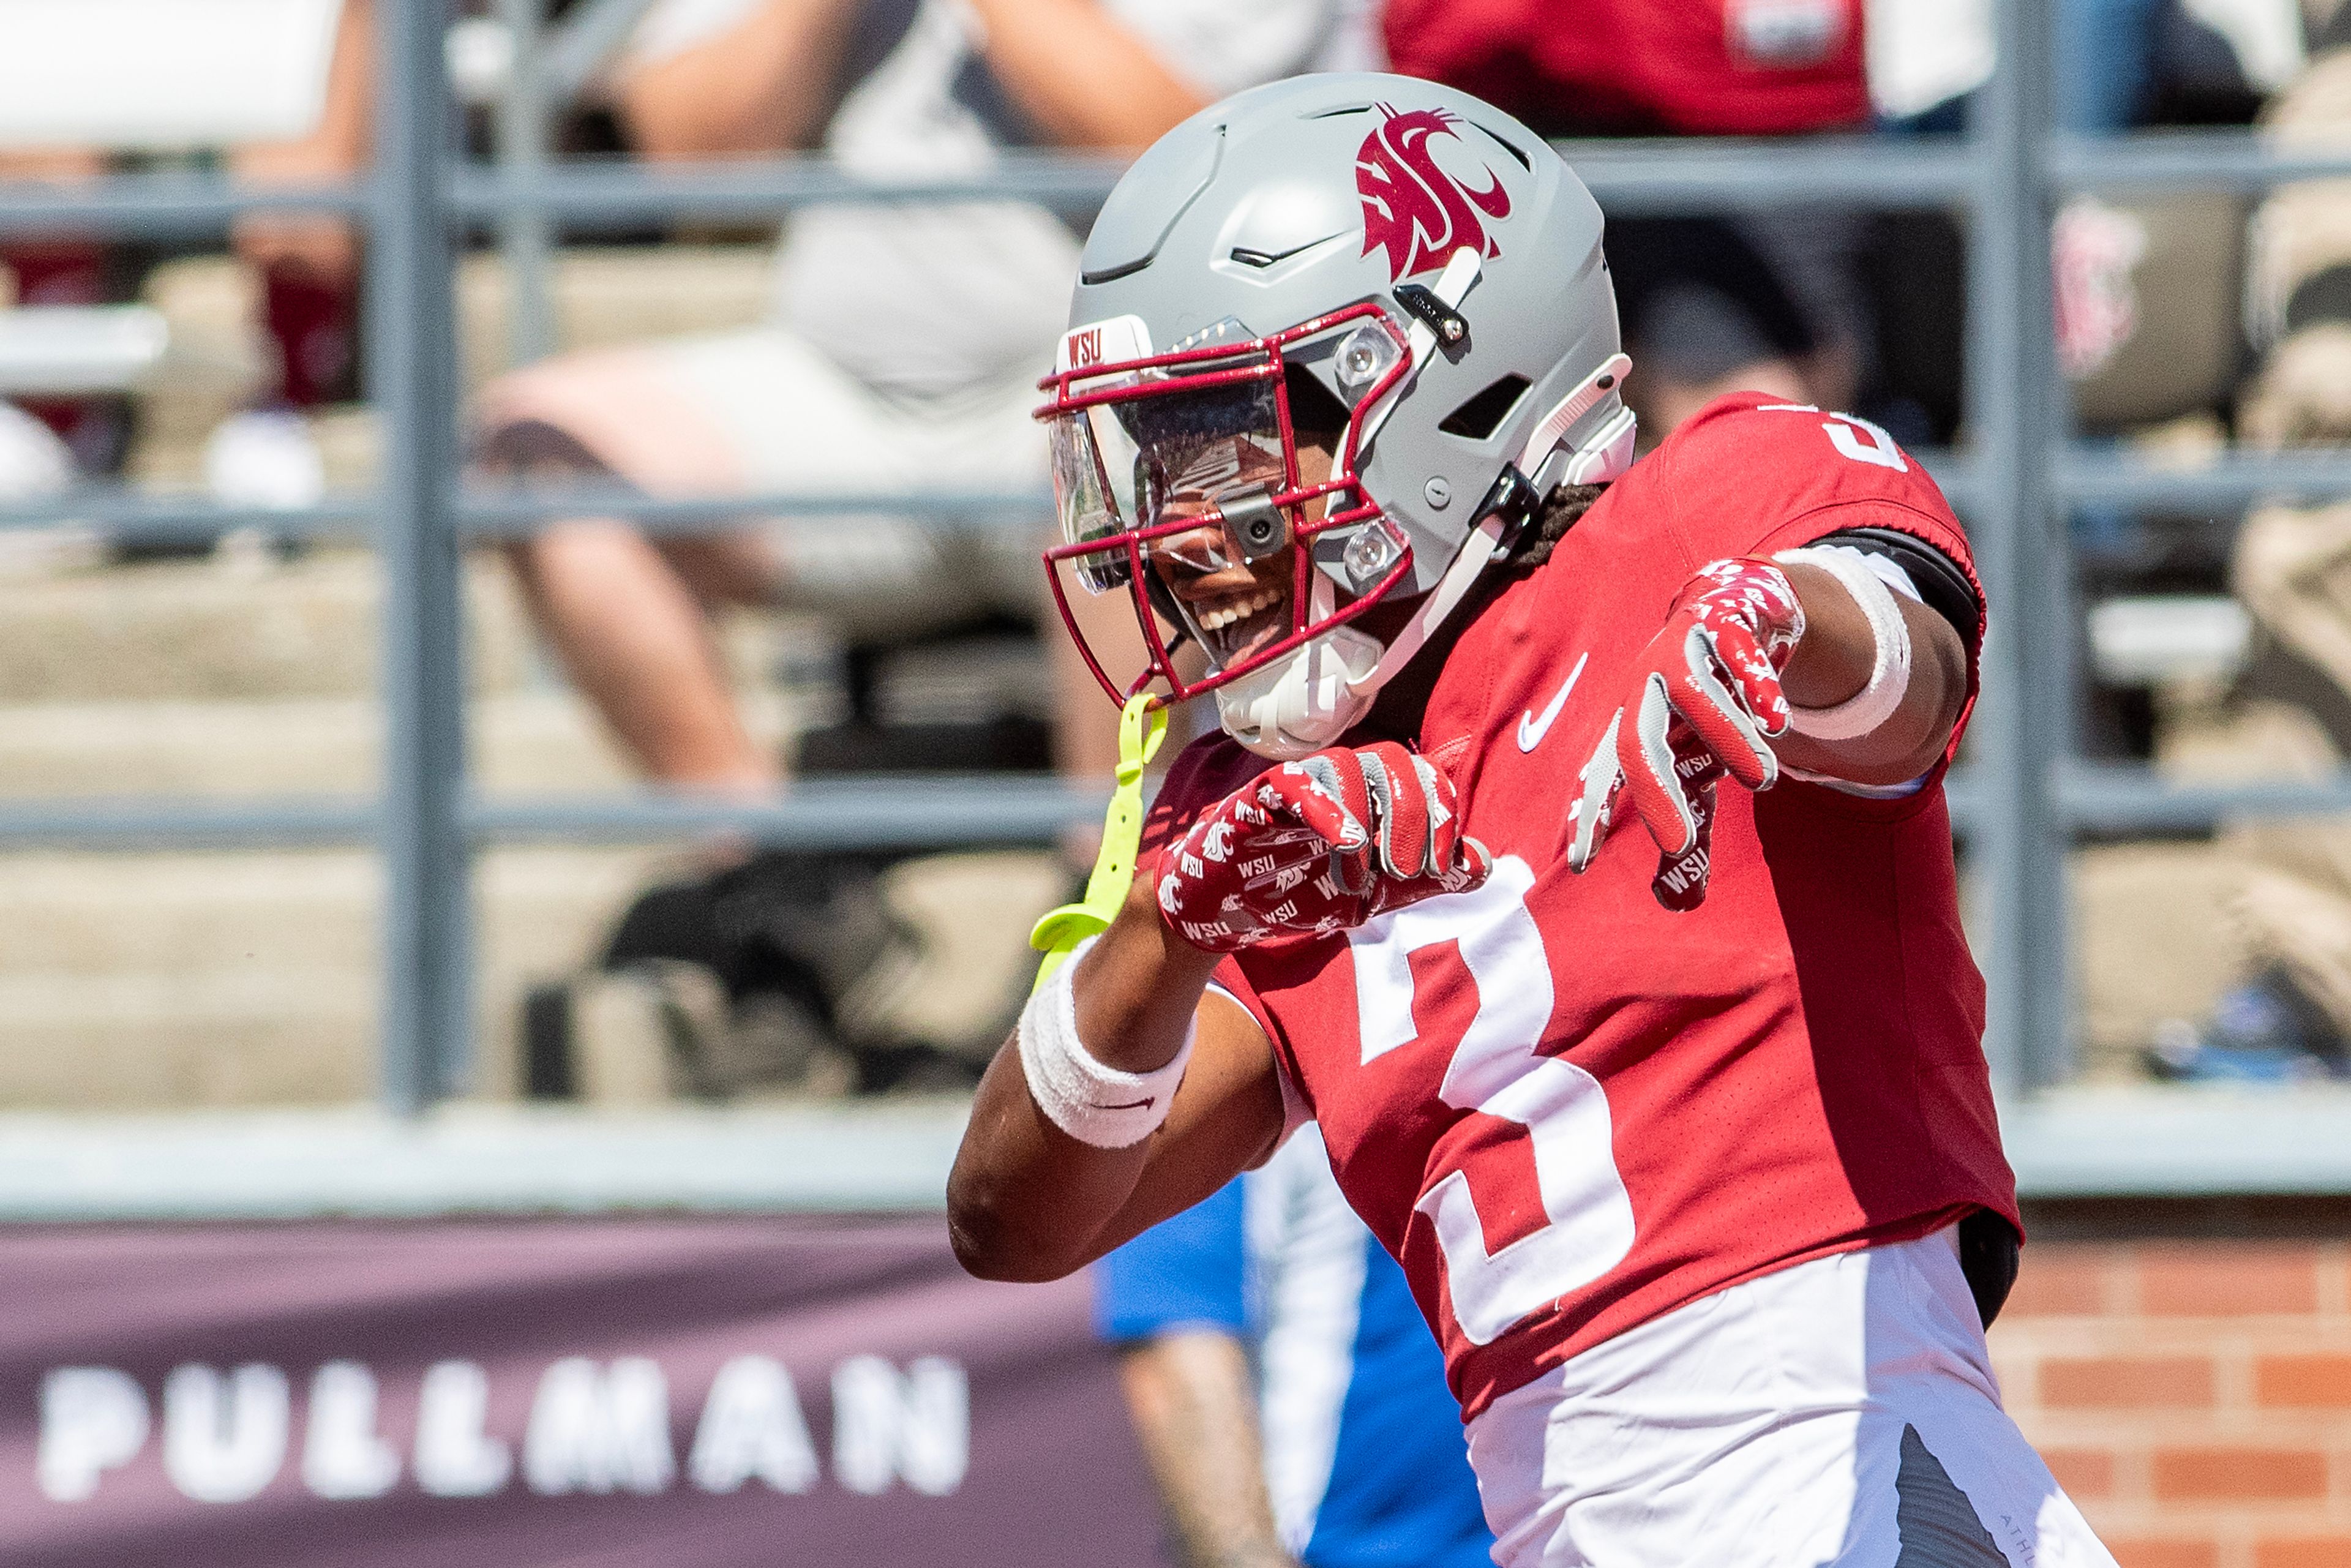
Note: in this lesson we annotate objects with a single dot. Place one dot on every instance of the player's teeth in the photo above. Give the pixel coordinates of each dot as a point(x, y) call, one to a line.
point(1218, 620)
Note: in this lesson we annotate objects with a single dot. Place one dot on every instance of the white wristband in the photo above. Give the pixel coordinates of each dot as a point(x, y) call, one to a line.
point(1889, 672)
point(1093, 1103)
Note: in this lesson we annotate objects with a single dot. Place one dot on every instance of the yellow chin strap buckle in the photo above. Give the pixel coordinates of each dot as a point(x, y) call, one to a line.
point(1141, 725)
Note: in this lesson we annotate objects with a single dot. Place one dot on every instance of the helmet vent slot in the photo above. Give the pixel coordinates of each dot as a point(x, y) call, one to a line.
point(1477, 419)
point(1508, 146)
point(1249, 256)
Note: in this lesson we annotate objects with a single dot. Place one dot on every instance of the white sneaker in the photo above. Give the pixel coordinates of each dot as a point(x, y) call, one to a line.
point(264, 459)
point(35, 465)
point(33, 462)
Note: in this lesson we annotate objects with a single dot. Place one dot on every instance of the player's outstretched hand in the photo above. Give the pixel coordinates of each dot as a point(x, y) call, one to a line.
point(1318, 845)
point(1705, 702)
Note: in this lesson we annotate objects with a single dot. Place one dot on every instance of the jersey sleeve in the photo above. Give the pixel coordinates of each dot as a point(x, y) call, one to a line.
point(1749, 477)
point(1189, 1272)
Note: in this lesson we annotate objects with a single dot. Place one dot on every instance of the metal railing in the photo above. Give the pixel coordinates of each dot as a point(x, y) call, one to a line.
point(2019, 801)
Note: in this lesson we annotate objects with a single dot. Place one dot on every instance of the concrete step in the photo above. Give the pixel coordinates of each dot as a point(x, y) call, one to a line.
point(229, 629)
point(164, 980)
point(155, 981)
point(2152, 940)
point(531, 742)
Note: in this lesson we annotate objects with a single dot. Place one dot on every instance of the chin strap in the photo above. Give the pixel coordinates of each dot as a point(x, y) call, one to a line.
point(1601, 458)
point(1141, 725)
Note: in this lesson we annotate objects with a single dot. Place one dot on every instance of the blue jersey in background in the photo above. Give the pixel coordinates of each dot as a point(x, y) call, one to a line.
point(1364, 1451)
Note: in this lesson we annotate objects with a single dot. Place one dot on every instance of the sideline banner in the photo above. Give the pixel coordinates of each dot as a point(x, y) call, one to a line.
point(687, 1393)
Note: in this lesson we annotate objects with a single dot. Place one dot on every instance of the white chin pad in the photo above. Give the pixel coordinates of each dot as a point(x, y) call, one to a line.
point(1302, 701)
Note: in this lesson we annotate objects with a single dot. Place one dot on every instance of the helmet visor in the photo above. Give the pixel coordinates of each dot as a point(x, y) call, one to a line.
point(1187, 491)
point(1161, 456)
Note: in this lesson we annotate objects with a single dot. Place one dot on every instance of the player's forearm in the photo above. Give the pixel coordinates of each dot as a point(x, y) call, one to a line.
point(1193, 1405)
point(1832, 660)
point(1026, 1199)
point(1083, 78)
point(1138, 987)
point(764, 85)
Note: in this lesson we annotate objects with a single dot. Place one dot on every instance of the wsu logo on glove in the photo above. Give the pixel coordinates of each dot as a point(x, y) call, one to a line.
point(1418, 211)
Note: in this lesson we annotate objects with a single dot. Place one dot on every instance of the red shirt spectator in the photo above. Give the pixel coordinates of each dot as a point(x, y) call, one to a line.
point(1721, 67)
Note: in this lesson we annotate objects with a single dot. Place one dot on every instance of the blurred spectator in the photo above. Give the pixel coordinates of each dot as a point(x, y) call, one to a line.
point(907, 339)
point(904, 352)
point(1765, 302)
point(2106, 62)
point(2290, 1017)
point(59, 270)
point(309, 275)
point(1291, 1402)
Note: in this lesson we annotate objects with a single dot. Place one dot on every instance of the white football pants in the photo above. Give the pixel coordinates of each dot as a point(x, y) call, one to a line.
point(1838, 1414)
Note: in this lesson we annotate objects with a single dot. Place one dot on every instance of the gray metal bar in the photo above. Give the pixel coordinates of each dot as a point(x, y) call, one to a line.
point(2161, 160)
point(2012, 406)
point(132, 517)
point(897, 813)
point(515, 512)
point(1638, 178)
point(525, 237)
point(588, 196)
point(2082, 473)
point(495, 512)
point(1629, 177)
point(157, 206)
point(862, 812)
point(149, 823)
point(818, 813)
point(2127, 799)
point(413, 350)
point(347, 1162)
point(2228, 482)
point(491, 512)
point(894, 1154)
point(1632, 176)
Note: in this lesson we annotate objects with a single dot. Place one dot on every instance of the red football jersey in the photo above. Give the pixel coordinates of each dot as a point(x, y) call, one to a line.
point(1707, 68)
point(1565, 1109)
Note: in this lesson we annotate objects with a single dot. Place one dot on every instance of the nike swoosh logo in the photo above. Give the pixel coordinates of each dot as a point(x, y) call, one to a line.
point(1532, 729)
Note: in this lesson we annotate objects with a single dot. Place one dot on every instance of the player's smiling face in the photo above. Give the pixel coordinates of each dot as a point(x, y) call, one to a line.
point(1237, 607)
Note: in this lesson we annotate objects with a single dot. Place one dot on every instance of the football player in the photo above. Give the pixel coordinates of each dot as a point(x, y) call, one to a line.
point(1575, 852)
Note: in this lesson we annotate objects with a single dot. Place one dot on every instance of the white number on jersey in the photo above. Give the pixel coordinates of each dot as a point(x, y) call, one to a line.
point(1854, 436)
point(1495, 1069)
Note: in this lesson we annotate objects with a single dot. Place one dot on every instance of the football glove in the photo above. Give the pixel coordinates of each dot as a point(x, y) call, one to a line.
point(1705, 703)
point(1318, 845)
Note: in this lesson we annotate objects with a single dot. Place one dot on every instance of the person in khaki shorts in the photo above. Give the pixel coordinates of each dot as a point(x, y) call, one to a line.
point(906, 342)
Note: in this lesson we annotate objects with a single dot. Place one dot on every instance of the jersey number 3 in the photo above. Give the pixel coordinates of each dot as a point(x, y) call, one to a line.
point(1496, 1069)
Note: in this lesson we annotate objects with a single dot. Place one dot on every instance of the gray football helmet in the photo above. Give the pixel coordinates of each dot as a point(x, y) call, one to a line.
point(1334, 339)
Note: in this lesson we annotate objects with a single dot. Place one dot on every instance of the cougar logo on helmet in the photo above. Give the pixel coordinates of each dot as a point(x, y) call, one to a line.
point(1418, 211)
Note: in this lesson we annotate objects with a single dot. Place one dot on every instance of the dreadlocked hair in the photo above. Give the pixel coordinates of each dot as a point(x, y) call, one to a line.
point(1559, 511)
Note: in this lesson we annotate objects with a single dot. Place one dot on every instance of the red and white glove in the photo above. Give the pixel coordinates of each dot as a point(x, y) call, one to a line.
point(1318, 845)
point(1706, 702)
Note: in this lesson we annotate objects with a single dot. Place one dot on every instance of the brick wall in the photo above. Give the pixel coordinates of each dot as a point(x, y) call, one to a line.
point(2194, 1395)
